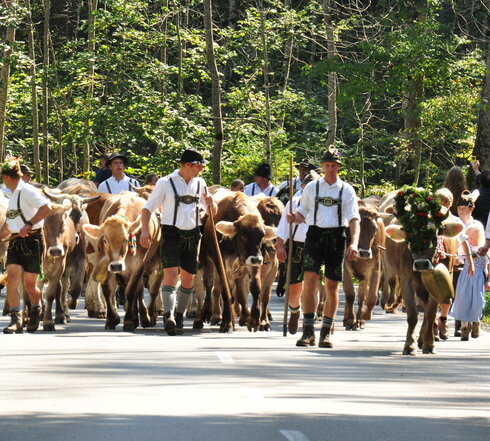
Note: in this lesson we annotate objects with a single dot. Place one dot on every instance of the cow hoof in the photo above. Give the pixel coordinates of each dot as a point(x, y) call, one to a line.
point(409, 351)
point(266, 327)
point(226, 328)
point(145, 322)
point(101, 315)
point(112, 323)
point(129, 327)
point(362, 325)
point(198, 324)
point(366, 315)
point(49, 327)
point(215, 321)
point(91, 314)
point(242, 321)
point(191, 314)
point(72, 304)
point(252, 327)
point(59, 320)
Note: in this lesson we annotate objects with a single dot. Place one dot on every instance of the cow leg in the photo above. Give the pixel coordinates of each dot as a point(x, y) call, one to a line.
point(412, 317)
point(216, 305)
point(51, 293)
point(426, 337)
point(350, 295)
point(154, 283)
point(64, 315)
point(208, 278)
point(255, 288)
point(113, 318)
point(361, 299)
point(76, 284)
point(131, 291)
point(241, 297)
point(372, 294)
point(195, 302)
point(143, 310)
point(265, 294)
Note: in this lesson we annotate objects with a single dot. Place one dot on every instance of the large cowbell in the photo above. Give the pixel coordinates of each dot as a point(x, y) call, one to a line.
point(439, 284)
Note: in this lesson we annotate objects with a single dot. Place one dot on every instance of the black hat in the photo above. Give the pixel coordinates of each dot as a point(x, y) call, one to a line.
point(332, 155)
point(308, 165)
point(25, 169)
point(118, 155)
point(264, 170)
point(104, 156)
point(193, 156)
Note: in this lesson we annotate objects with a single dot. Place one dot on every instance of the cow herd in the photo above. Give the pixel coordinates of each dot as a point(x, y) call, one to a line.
point(92, 246)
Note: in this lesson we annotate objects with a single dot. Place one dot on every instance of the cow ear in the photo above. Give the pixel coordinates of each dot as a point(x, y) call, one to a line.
point(92, 231)
point(226, 228)
point(135, 226)
point(451, 229)
point(395, 232)
point(270, 233)
point(389, 209)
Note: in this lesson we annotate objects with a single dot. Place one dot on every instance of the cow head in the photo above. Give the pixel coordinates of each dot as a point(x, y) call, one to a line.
point(115, 234)
point(371, 225)
point(54, 228)
point(247, 234)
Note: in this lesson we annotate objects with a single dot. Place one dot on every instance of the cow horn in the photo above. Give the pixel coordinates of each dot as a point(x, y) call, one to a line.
point(54, 197)
point(90, 199)
point(386, 215)
point(134, 188)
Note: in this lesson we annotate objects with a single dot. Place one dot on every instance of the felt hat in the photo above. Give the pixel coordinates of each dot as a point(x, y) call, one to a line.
point(120, 156)
point(192, 156)
point(25, 169)
point(332, 155)
point(264, 170)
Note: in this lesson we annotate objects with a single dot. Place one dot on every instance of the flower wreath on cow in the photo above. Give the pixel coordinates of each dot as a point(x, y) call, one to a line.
point(420, 215)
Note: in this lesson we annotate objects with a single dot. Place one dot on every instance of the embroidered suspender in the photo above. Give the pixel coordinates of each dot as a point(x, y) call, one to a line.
point(19, 210)
point(328, 202)
point(187, 199)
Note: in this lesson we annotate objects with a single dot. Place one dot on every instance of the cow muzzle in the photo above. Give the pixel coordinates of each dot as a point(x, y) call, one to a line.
point(56, 251)
point(254, 260)
point(117, 267)
point(365, 254)
point(422, 265)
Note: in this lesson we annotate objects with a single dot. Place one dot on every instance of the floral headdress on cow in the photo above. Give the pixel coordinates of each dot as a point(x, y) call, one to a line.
point(11, 167)
point(420, 215)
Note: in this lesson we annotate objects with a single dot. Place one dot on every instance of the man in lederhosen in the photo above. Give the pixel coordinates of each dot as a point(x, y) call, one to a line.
point(180, 196)
point(119, 181)
point(262, 184)
point(24, 221)
point(328, 206)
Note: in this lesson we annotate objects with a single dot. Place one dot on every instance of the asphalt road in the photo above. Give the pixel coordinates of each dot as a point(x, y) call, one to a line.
point(85, 383)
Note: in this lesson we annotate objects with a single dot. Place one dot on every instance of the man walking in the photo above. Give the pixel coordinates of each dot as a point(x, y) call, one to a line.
point(119, 181)
point(180, 196)
point(328, 206)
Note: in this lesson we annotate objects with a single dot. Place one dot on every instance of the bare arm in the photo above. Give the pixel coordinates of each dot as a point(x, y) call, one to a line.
point(352, 250)
point(145, 232)
point(41, 213)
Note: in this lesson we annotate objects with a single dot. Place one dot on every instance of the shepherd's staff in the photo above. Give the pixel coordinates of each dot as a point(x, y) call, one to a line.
point(290, 250)
point(221, 264)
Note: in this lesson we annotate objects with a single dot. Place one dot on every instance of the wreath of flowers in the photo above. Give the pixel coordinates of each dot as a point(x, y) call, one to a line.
point(9, 164)
point(419, 213)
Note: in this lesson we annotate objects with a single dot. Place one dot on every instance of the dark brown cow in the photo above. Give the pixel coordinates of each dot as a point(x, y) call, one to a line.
point(366, 268)
point(118, 266)
point(242, 232)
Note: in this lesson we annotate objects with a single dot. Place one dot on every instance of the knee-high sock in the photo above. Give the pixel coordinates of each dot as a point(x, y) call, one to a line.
point(168, 298)
point(183, 296)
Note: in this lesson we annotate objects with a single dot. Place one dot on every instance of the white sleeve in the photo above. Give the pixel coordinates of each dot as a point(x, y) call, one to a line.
point(307, 199)
point(203, 193)
point(282, 230)
point(350, 205)
point(36, 199)
point(157, 196)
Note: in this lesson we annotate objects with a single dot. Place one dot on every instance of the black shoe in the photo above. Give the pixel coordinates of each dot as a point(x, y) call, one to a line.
point(324, 341)
point(15, 326)
point(169, 324)
point(34, 319)
point(457, 328)
point(308, 337)
point(293, 322)
point(179, 323)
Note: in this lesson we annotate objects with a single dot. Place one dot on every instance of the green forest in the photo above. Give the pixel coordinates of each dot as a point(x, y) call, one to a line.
point(401, 88)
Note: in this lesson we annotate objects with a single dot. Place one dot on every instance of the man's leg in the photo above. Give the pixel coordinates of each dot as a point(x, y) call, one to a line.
point(329, 311)
point(310, 302)
point(184, 294)
point(170, 276)
point(14, 273)
point(34, 293)
point(294, 307)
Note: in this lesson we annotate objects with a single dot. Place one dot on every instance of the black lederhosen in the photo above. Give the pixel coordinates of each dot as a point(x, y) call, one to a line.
point(325, 246)
point(180, 248)
point(296, 262)
point(27, 252)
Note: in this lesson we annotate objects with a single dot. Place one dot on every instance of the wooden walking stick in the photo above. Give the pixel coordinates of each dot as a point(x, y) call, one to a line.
point(221, 264)
point(290, 251)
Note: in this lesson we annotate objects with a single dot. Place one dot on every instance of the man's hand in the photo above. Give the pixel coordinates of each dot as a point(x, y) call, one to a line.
point(352, 252)
point(24, 231)
point(280, 252)
point(483, 250)
point(145, 239)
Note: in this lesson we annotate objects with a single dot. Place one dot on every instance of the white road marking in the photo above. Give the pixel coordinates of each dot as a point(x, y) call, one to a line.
point(225, 357)
point(293, 435)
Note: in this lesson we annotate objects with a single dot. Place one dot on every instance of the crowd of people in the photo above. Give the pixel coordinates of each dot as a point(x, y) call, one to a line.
point(323, 208)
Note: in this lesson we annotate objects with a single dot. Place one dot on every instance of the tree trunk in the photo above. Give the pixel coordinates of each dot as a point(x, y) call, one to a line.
point(47, 13)
point(35, 111)
point(332, 76)
point(215, 92)
point(4, 80)
point(265, 54)
point(482, 142)
point(180, 82)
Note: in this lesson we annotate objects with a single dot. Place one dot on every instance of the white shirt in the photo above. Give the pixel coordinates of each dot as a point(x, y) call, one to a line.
point(113, 186)
point(327, 217)
point(253, 190)
point(163, 195)
point(31, 200)
point(297, 184)
point(282, 230)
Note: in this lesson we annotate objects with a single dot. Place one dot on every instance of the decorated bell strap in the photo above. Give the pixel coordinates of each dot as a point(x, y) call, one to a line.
point(132, 244)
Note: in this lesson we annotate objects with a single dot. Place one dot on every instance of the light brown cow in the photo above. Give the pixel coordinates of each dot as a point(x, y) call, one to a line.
point(366, 268)
point(123, 263)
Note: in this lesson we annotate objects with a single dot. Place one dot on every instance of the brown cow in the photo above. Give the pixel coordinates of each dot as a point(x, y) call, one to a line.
point(122, 262)
point(242, 232)
point(366, 268)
